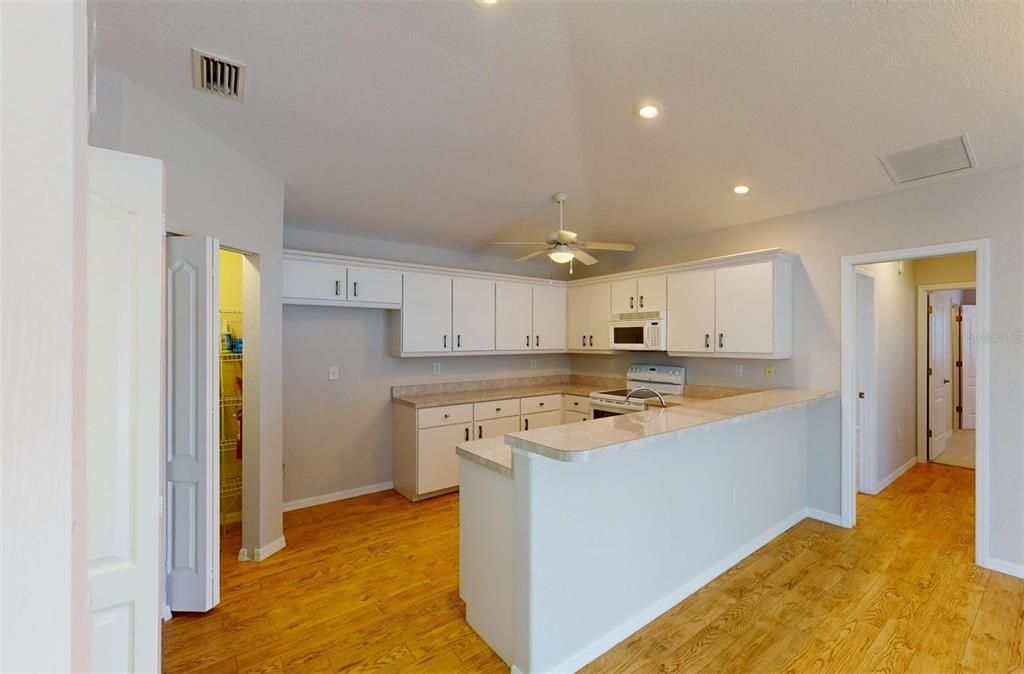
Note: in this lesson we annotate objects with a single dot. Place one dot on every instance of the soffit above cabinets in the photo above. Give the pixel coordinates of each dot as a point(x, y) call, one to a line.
point(448, 123)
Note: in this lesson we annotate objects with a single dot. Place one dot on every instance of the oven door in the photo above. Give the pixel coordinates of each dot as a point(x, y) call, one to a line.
point(602, 409)
point(629, 335)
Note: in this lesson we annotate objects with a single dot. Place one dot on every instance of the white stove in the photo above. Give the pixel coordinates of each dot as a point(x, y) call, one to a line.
point(665, 379)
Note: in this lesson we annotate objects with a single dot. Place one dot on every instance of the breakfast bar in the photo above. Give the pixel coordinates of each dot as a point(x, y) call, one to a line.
point(639, 510)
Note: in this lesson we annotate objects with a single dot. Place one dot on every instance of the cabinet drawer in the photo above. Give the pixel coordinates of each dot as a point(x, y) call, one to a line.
point(573, 417)
point(442, 416)
point(496, 409)
point(576, 404)
point(532, 422)
point(541, 403)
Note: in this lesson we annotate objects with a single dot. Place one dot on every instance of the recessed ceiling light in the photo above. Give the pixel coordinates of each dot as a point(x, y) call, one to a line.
point(741, 189)
point(647, 109)
point(485, 3)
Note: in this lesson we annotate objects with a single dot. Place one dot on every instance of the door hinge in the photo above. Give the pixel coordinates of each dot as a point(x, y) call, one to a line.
point(959, 363)
point(929, 372)
point(959, 318)
point(929, 308)
point(929, 432)
point(959, 408)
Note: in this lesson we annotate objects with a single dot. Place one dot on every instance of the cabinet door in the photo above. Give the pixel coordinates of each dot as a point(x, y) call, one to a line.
point(437, 464)
point(313, 280)
point(549, 317)
point(496, 427)
point(532, 422)
point(426, 313)
point(575, 417)
point(624, 297)
point(599, 312)
point(650, 292)
point(577, 308)
point(371, 284)
point(743, 308)
point(691, 311)
point(513, 316)
point(472, 314)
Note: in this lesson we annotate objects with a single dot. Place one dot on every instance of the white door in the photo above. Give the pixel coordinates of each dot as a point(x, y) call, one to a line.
point(193, 469)
point(624, 297)
point(691, 311)
point(313, 280)
point(513, 317)
point(496, 427)
point(472, 314)
point(866, 354)
point(940, 374)
point(426, 313)
point(124, 418)
point(549, 317)
point(969, 377)
point(743, 309)
point(650, 291)
point(370, 284)
point(437, 465)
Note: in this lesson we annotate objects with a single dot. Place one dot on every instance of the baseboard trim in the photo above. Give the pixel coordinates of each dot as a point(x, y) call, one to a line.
point(1003, 566)
point(336, 496)
point(622, 632)
point(270, 548)
point(166, 613)
point(895, 475)
point(823, 516)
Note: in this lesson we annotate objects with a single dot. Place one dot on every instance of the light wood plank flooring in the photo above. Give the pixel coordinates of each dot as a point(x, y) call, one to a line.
point(372, 584)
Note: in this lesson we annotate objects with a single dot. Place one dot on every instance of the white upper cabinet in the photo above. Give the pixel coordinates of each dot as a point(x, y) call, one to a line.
point(691, 311)
point(318, 281)
point(513, 316)
point(473, 314)
point(374, 285)
point(744, 309)
point(549, 322)
point(643, 294)
point(590, 308)
point(426, 313)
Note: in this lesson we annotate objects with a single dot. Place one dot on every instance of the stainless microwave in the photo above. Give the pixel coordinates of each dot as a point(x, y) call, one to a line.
point(641, 331)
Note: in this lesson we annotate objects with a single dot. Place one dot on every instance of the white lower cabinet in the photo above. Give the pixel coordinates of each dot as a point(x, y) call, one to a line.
point(490, 428)
point(532, 422)
point(437, 466)
point(573, 417)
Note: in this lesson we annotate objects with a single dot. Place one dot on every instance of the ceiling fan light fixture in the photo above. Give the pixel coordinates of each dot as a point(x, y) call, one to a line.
point(561, 255)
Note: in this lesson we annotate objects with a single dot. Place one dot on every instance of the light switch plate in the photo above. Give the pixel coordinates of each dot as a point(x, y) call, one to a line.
point(739, 370)
point(332, 372)
point(437, 368)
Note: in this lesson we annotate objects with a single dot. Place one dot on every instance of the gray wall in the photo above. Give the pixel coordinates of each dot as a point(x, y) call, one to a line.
point(338, 433)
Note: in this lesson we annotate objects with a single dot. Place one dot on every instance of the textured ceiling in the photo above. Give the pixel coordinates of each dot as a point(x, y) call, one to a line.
point(449, 123)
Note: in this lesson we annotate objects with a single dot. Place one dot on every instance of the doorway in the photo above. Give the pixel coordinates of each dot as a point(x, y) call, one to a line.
point(852, 337)
point(231, 403)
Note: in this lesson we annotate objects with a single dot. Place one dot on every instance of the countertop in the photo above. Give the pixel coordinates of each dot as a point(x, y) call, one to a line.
point(582, 441)
point(486, 395)
point(493, 453)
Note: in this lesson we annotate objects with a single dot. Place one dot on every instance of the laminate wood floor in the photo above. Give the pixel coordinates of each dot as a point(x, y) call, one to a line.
point(371, 584)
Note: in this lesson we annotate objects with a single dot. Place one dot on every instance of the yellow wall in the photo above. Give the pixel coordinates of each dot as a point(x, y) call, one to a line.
point(948, 269)
point(230, 280)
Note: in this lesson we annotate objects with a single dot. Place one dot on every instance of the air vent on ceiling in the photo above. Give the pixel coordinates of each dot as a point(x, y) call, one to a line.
point(216, 75)
point(927, 161)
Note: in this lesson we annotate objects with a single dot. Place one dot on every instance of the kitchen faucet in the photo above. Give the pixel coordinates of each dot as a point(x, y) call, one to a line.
point(645, 388)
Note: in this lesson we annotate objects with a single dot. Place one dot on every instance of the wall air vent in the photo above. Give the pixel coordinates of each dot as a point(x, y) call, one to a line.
point(215, 75)
point(927, 161)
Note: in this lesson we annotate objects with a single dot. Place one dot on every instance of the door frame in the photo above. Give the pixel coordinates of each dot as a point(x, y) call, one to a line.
point(922, 359)
point(867, 481)
point(848, 385)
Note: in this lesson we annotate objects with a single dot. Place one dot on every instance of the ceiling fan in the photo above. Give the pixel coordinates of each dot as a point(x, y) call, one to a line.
point(562, 246)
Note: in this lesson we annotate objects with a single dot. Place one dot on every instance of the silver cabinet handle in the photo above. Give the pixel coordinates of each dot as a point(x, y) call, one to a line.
point(355, 289)
point(337, 288)
point(707, 340)
point(721, 340)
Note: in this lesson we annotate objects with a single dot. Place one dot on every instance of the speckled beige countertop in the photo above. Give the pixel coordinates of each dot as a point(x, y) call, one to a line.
point(491, 453)
point(486, 395)
point(582, 441)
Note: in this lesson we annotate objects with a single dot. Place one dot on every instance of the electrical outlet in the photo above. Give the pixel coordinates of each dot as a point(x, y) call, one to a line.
point(332, 372)
point(437, 368)
point(769, 373)
point(533, 363)
point(739, 370)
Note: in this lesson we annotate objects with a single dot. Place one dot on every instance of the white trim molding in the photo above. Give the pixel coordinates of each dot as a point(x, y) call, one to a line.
point(848, 386)
point(301, 503)
point(1003, 566)
point(895, 475)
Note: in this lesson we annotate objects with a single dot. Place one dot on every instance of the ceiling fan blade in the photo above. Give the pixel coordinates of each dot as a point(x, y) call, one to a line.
point(603, 245)
point(518, 243)
point(533, 254)
point(584, 257)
